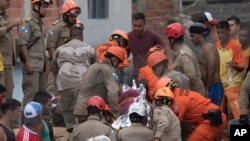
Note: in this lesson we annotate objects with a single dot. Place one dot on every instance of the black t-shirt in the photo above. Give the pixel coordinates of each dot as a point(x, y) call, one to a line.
point(9, 134)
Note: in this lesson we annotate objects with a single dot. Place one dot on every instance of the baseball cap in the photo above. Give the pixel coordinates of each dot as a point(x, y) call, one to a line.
point(32, 109)
point(207, 17)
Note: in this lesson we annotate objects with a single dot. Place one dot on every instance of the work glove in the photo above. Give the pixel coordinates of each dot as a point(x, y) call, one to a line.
point(244, 120)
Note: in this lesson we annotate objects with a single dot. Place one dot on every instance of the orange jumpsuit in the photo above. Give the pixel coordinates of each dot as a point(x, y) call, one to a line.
point(146, 73)
point(230, 77)
point(190, 106)
point(101, 51)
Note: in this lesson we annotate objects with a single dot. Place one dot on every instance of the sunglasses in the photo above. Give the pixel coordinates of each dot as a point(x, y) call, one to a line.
point(74, 12)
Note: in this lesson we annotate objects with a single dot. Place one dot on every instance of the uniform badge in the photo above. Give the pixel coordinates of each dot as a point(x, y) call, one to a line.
point(175, 107)
point(158, 111)
point(25, 29)
point(115, 76)
point(186, 59)
point(50, 31)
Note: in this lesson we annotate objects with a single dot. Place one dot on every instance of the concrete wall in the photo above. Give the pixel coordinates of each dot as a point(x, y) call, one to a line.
point(98, 30)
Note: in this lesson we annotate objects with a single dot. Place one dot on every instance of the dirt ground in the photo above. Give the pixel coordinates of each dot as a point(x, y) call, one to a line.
point(59, 133)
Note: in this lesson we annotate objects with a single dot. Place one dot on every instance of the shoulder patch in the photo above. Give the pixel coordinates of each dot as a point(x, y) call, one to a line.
point(158, 111)
point(56, 22)
point(186, 59)
point(28, 18)
point(25, 29)
point(175, 107)
point(50, 31)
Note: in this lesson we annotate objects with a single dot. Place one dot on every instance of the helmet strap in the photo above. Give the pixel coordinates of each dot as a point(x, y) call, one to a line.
point(66, 19)
point(38, 10)
point(172, 43)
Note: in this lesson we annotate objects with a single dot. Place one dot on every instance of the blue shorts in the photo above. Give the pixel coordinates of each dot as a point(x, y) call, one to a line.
point(216, 93)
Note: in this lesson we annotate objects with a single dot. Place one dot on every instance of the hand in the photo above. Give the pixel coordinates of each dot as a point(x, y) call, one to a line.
point(17, 22)
point(244, 119)
point(231, 64)
point(157, 139)
point(30, 67)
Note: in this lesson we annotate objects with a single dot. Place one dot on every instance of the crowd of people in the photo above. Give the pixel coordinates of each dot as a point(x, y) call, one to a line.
point(67, 82)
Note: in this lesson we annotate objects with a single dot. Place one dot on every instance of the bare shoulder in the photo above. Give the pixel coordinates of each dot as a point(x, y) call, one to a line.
point(209, 48)
point(2, 134)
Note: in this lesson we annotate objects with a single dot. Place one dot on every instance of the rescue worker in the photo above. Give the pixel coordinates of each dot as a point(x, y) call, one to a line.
point(117, 38)
point(7, 49)
point(184, 59)
point(59, 34)
point(93, 126)
point(137, 131)
point(101, 80)
point(69, 63)
point(244, 100)
point(195, 109)
point(158, 62)
point(166, 126)
point(32, 45)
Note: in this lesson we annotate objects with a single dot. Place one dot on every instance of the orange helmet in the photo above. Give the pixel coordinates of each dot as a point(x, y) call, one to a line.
point(96, 101)
point(164, 93)
point(166, 82)
point(175, 30)
point(155, 58)
point(107, 108)
point(155, 48)
point(118, 52)
point(119, 34)
point(42, 1)
point(70, 8)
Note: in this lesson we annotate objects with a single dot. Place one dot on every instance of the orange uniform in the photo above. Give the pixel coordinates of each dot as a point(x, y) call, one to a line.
point(102, 49)
point(230, 77)
point(146, 73)
point(190, 106)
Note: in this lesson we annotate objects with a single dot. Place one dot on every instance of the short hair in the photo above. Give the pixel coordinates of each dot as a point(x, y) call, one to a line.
point(2, 88)
point(42, 97)
point(134, 117)
point(10, 104)
point(138, 16)
point(31, 121)
point(235, 18)
point(76, 30)
point(93, 110)
point(223, 25)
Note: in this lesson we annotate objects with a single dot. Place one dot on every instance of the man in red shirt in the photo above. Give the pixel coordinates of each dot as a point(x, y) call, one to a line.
point(32, 119)
point(140, 41)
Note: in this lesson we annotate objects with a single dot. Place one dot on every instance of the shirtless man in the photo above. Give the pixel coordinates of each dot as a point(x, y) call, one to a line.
point(208, 59)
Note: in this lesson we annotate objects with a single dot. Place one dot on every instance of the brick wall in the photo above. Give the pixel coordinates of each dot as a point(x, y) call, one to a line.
point(17, 9)
point(157, 13)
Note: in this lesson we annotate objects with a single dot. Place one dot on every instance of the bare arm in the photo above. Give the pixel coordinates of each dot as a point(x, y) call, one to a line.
point(209, 57)
point(15, 23)
point(40, 130)
point(8, 27)
point(2, 135)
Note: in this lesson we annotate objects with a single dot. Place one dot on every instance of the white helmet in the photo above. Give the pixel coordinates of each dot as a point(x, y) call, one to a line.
point(137, 107)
